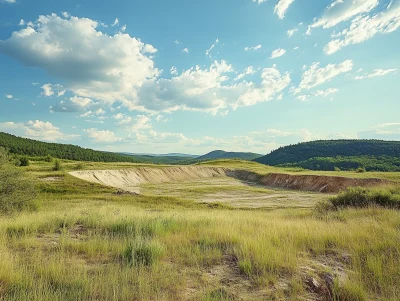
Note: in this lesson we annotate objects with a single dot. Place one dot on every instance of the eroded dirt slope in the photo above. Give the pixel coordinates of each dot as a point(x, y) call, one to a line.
point(316, 183)
point(131, 179)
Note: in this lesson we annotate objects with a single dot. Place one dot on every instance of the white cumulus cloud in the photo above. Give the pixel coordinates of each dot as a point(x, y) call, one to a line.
point(363, 28)
point(253, 48)
point(281, 7)
point(376, 73)
point(249, 71)
point(315, 76)
point(36, 130)
point(342, 10)
point(278, 53)
point(102, 136)
point(107, 68)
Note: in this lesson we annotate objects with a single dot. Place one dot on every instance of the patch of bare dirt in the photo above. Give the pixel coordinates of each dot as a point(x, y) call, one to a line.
point(228, 280)
point(52, 240)
point(320, 273)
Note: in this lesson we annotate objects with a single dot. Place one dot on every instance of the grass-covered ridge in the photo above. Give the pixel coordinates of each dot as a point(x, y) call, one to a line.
point(374, 155)
point(220, 154)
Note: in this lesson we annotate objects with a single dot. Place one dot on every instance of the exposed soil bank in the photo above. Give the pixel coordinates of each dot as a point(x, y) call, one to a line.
point(131, 179)
point(324, 184)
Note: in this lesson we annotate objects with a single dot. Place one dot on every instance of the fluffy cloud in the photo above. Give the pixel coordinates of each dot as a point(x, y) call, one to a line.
point(73, 104)
point(116, 22)
point(249, 71)
point(303, 97)
point(102, 136)
point(273, 82)
point(364, 28)
point(315, 76)
point(36, 130)
point(342, 10)
point(122, 119)
point(319, 93)
point(185, 50)
point(385, 131)
point(207, 90)
point(281, 7)
point(9, 96)
point(107, 68)
point(376, 73)
point(8, 1)
point(173, 70)
point(119, 68)
point(194, 89)
point(278, 53)
point(47, 90)
point(291, 32)
point(325, 93)
point(253, 48)
point(142, 123)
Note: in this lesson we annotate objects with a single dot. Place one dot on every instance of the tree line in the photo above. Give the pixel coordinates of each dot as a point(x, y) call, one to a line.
point(344, 154)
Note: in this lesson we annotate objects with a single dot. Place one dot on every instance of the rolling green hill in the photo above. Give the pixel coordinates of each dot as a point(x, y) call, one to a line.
point(220, 154)
point(344, 154)
point(28, 147)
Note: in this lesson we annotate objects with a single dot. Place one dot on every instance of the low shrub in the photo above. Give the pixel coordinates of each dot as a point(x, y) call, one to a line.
point(57, 165)
point(24, 161)
point(48, 158)
point(79, 166)
point(359, 197)
point(360, 170)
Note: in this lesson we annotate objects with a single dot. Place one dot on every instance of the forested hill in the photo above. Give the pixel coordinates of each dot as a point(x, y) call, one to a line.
point(346, 154)
point(33, 148)
point(220, 154)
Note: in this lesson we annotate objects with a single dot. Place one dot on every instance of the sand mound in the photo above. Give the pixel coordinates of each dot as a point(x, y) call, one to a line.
point(324, 184)
point(131, 179)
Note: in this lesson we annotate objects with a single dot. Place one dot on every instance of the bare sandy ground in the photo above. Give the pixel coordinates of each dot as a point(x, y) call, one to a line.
point(131, 179)
point(235, 193)
point(202, 184)
point(238, 188)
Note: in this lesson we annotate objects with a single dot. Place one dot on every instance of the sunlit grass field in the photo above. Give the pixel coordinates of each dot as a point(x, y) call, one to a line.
point(85, 242)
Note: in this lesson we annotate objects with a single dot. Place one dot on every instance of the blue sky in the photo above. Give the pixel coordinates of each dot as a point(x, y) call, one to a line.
point(194, 76)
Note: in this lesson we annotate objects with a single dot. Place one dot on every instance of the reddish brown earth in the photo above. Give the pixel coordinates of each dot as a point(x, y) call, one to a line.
point(316, 183)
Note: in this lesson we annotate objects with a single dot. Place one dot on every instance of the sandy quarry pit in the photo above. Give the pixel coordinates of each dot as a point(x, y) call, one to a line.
point(238, 188)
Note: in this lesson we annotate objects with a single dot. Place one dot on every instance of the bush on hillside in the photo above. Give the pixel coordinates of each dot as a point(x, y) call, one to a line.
point(57, 165)
point(49, 158)
point(24, 161)
point(358, 197)
point(16, 192)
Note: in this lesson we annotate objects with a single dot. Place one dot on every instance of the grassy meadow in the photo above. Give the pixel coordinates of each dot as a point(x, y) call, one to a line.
point(85, 242)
